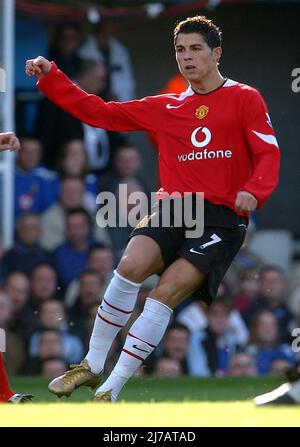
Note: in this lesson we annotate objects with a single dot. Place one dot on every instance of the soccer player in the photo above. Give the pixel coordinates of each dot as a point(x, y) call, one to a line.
point(9, 141)
point(215, 138)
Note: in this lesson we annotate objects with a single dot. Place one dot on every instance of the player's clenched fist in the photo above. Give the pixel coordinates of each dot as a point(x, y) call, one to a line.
point(245, 201)
point(8, 140)
point(38, 67)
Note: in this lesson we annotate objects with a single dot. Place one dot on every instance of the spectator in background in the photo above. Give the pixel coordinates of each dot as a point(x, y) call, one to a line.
point(53, 221)
point(119, 234)
point(91, 289)
point(271, 296)
point(56, 127)
point(245, 259)
point(44, 285)
point(102, 47)
point(34, 184)
point(248, 289)
point(49, 345)
point(194, 316)
point(52, 367)
point(279, 367)
point(242, 364)
point(294, 304)
point(73, 162)
point(176, 344)
point(210, 349)
point(64, 48)
point(71, 257)
point(126, 166)
point(166, 367)
point(27, 251)
point(53, 316)
point(24, 321)
point(265, 342)
point(100, 261)
point(17, 287)
point(15, 353)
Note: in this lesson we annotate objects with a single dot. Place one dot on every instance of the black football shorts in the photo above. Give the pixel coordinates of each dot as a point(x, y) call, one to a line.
point(212, 253)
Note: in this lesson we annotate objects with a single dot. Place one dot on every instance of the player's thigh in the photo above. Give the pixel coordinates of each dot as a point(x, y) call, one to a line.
point(177, 283)
point(141, 259)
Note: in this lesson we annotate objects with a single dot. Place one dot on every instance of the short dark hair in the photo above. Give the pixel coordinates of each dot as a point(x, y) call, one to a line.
point(224, 303)
point(99, 246)
point(176, 326)
point(271, 268)
point(65, 178)
point(85, 66)
point(42, 265)
point(87, 272)
point(80, 210)
point(202, 25)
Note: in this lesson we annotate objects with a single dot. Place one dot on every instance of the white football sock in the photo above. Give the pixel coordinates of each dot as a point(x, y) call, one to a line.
point(143, 337)
point(113, 313)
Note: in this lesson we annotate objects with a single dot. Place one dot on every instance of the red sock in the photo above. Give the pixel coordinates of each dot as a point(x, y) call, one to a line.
point(5, 390)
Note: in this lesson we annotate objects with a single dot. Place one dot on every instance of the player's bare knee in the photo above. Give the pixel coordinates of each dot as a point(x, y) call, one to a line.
point(129, 269)
point(165, 293)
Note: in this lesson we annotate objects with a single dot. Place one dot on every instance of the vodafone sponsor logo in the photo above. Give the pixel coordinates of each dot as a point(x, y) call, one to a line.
point(201, 137)
point(200, 141)
point(204, 155)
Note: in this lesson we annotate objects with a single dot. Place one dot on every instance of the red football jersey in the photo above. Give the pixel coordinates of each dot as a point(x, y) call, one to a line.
point(218, 143)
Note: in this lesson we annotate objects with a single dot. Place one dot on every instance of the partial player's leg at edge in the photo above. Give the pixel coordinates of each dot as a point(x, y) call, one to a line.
point(6, 393)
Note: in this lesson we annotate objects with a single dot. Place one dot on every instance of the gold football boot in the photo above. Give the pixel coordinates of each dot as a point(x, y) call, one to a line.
point(76, 376)
point(104, 396)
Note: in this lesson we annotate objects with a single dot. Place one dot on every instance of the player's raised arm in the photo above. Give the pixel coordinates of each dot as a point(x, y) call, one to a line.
point(142, 114)
point(9, 141)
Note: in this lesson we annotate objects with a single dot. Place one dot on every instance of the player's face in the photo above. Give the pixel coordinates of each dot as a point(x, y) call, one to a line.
point(196, 60)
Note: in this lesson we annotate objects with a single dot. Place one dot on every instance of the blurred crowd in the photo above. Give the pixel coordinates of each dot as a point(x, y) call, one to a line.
point(54, 276)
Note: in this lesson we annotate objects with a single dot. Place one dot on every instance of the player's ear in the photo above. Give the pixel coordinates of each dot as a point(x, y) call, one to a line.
point(217, 54)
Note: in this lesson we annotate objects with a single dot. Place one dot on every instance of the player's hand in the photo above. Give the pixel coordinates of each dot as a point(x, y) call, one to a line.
point(8, 141)
point(37, 67)
point(245, 202)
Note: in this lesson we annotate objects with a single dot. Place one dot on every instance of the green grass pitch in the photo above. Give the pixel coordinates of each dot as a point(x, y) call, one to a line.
point(148, 402)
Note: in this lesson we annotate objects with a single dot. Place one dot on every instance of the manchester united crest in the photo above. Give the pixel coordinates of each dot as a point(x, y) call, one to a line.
point(201, 112)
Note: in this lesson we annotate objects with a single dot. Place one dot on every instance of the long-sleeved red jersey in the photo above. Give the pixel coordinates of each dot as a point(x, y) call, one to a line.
point(217, 143)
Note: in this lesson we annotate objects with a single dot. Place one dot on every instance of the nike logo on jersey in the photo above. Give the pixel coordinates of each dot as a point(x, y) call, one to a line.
point(192, 250)
point(140, 349)
point(169, 106)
